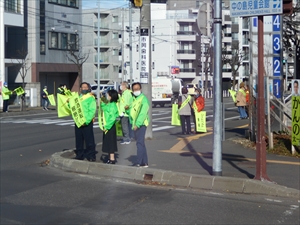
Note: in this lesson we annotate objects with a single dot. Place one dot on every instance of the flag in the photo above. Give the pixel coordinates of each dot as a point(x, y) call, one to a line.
point(175, 119)
point(19, 91)
point(62, 106)
point(200, 121)
point(52, 100)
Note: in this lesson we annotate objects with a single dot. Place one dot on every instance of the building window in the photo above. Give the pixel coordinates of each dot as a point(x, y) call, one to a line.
point(197, 4)
point(63, 41)
point(53, 38)
point(73, 42)
point(13, 6)
point(115, 36)
point(42, 28)
point(137, 65)
point(116, 69)
point(69, 3)
point(115, 52)
point(115, 19)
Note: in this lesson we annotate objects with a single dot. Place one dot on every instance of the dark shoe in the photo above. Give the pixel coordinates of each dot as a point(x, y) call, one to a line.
point(91, 160)
point(78, 158)
point(111, 161)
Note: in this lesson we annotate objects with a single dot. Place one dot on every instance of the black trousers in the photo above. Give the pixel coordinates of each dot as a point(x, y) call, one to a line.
point(5, 105)
point(85, 134)
point(185, 121)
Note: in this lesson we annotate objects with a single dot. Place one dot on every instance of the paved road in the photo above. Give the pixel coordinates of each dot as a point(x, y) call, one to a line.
point(36, 195)
point(31, 194)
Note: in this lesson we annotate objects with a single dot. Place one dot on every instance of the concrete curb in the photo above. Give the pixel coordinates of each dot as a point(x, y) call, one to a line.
point(204, 182)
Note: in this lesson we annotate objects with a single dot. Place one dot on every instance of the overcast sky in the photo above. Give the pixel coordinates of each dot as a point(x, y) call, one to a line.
point(108, 4)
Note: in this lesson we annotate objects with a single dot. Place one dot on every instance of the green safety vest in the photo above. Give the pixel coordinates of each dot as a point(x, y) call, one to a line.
point(5, 93)
point(186, 101)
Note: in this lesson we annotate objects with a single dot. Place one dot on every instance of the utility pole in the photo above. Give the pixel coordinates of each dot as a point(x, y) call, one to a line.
point(98, 54)
point(145, 58)
point(218, 99)
point(130, 42)
point(122, 49)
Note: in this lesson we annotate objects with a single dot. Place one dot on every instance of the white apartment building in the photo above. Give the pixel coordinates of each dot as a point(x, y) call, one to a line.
point(43, 31)
point(109, 50)
point(11, 19)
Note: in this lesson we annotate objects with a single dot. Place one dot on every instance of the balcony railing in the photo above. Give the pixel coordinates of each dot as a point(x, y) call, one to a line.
point(103, 58)
point(181, 32)
point(183, 51)
point(103, 25)
point(187, 70)
point(102, 42)
point(103, 75)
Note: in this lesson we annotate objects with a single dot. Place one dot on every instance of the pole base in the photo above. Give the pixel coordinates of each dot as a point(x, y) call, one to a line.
point(215, 173)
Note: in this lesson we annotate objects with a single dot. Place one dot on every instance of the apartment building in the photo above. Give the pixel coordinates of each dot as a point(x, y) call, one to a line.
point(109, 47)
point(12, 23)
point(40, 33)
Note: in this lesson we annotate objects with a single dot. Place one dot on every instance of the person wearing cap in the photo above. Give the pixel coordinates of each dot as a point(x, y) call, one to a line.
point(45, 100)
point(241, 101)
point(5, 96)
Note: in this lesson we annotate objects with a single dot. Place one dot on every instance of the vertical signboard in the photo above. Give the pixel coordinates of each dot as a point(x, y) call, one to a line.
point(144, 53)
point(276, 36)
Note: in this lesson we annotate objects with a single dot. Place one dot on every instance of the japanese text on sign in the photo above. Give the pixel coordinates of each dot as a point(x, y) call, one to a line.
point(144, 43)
point(296, 120)
point(255, 7)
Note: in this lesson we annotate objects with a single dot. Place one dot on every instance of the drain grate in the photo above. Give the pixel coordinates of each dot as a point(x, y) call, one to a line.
point(148, 177)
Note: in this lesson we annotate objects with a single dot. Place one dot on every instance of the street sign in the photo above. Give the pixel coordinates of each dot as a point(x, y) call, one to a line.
point(247, 8)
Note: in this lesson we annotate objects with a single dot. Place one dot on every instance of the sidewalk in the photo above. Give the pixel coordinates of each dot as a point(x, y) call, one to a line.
point(15, 111)
point(186, 161)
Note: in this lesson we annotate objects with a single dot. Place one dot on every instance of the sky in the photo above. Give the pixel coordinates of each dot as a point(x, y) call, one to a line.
point(108, 4)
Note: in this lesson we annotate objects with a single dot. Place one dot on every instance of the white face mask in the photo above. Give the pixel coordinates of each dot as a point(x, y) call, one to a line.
point(108, 98)
point(137, 93)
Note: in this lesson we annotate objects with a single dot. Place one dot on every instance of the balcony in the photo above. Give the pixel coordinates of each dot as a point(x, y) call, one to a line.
point(186, 36)
point(13, 13)
point(103, 25)
point(103, 42)
point(104, 59)
point(186, 54)
point(104, 74)
point(187, 73)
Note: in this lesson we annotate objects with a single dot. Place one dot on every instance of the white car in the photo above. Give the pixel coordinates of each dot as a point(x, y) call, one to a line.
point(103, 88)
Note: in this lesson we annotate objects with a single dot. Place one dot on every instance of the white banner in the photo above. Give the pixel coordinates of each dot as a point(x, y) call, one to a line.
point(144, 56)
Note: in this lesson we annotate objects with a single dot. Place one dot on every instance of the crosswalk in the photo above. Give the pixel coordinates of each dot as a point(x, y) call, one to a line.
point(161, 121)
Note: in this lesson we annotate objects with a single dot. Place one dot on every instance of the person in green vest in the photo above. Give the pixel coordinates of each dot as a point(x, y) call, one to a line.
point(185, 104)
point(5, 96)
point(241, 101)
point(45, 100)
point(125, 101)
point(111, 113)
point(138, 115)
point(85, 133)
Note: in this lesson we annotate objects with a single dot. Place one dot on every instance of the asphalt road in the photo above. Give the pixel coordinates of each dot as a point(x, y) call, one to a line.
point(33, 194)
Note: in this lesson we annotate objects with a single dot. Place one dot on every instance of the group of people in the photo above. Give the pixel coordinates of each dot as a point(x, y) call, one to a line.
point(187, 106)
point(45, 99)
point(130, 106)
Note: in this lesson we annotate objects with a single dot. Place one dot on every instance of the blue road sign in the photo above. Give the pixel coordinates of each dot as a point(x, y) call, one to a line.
point(242, 8)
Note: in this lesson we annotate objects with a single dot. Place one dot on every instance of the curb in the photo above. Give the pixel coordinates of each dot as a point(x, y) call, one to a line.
point(185, 180)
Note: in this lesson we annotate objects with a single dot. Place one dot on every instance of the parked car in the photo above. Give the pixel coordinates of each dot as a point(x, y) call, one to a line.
point(103, 88)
